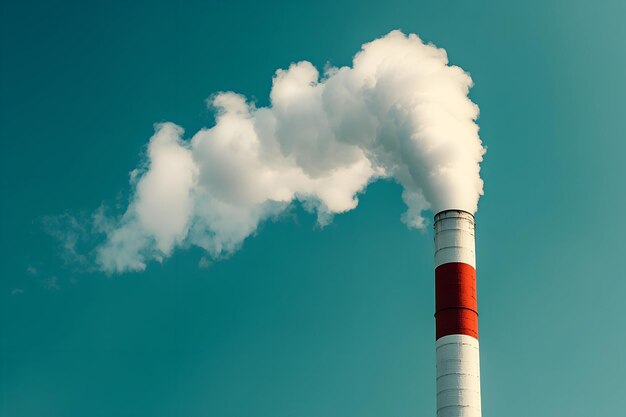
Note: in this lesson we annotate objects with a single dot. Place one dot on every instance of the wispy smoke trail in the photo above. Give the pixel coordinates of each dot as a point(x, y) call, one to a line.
point(399, 112)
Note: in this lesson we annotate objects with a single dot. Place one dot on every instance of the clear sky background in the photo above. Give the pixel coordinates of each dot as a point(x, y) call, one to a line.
point(309, 322)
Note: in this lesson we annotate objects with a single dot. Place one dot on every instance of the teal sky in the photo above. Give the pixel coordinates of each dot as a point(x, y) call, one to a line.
point(303, 321)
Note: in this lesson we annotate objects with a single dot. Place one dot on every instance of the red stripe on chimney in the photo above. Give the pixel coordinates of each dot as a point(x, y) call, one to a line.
point(456, 309)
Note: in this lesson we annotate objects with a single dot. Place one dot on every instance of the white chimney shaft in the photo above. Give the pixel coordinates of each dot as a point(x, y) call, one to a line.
point(458, 365)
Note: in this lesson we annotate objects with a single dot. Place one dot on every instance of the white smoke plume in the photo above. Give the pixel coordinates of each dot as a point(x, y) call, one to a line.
point(400, 112)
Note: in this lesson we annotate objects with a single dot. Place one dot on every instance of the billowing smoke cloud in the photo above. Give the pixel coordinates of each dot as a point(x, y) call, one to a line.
point(400, 112)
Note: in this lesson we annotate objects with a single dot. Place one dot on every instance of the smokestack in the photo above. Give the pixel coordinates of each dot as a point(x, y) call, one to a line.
point(456, 316)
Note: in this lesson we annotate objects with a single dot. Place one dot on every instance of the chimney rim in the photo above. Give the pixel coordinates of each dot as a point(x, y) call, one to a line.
point(438, 214)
